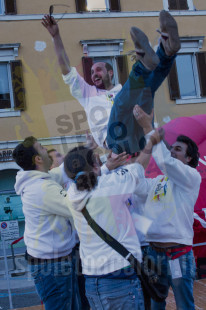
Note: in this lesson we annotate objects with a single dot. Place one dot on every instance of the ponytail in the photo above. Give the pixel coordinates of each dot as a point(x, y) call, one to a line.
point(78, 165)
point(86, 181)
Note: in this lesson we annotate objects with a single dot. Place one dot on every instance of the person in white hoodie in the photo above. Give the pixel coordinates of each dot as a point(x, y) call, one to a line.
point(110, 281)
point(48, 233)
point(169, 203)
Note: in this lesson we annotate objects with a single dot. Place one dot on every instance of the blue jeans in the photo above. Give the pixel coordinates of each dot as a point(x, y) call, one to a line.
point(124, 133)
point(56, 285)
point(114, 294)
point(182, 287)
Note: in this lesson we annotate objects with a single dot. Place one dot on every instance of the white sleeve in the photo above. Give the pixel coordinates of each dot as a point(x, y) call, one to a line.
point(59, 175)
point(125, 179)
point(178, 172)
point(79, 88)
point(104, 169)
point(55, 199)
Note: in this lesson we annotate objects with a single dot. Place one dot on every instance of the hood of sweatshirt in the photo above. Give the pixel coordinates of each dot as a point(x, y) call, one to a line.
point(78, 198)
point(27, 178)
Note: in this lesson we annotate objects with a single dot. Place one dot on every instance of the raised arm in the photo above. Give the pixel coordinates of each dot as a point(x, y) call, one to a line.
point(52, 27)
point(152, 137)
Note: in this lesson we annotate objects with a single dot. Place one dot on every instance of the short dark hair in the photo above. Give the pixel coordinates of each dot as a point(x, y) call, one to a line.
point(192, 150)
point(25, 153)
point(81, 159)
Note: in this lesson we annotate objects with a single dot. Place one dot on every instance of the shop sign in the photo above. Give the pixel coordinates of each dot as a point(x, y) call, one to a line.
point(6, 155)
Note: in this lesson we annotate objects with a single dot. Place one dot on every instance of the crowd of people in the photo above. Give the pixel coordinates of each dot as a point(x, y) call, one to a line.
point(72, 266)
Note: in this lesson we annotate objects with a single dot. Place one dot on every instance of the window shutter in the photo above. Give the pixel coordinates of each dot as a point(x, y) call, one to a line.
point(17, 84)
point(183, 5)
point(201, 63)
point(172, 4)
point(10, 7)
point(87, 63)
point(81, 6)
point(173, 83)
point(122, 67)
point(114, 6)
point(178, 5)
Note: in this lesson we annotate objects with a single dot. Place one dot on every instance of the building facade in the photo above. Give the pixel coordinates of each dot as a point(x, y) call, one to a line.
point(33, 97)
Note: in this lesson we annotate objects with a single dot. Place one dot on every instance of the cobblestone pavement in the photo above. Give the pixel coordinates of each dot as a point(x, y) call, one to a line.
point(199, 295)
point(24, 294)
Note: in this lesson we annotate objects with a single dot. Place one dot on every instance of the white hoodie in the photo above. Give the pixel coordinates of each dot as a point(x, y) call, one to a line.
point(48, 232)
point(170, 199)
point(96, 102)
point(108, 207)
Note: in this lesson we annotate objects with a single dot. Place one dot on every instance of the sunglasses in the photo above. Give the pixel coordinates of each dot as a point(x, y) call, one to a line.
point(51, 11)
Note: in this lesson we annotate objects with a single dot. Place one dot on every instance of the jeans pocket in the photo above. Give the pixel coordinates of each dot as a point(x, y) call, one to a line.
point(119, 301)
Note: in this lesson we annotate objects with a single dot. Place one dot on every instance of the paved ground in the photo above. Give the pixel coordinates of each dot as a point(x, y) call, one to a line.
point(24, 294)
point(23, 291)
point(199, 295)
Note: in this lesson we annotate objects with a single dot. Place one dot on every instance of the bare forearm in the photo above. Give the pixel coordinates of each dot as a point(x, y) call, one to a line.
point(145, 155)
point(61, 54)
point(147, 129)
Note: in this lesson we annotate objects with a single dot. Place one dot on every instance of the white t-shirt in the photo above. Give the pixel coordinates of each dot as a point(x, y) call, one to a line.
point(96, 102)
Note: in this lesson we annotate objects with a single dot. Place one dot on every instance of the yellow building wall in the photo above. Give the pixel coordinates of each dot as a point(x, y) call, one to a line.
point(50, 109)
point(199, 4)
point(139, 5)
point(42, 7)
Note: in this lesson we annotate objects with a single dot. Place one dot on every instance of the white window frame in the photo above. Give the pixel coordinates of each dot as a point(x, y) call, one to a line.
point(9, 52)
point(192, 46)
point(104, 48)
point(189, 3)
point(106, 9)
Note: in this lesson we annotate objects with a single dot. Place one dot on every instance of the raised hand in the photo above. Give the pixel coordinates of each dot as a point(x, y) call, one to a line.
point(50, 24)
point(157, 136)
point(116, 161)
point(143, 119)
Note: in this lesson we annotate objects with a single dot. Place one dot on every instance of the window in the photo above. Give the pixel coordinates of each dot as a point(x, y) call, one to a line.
point(97, 5)
point(5, 80)
point(1, 7)
point(187, 78)
point(8, 7)
point(178, 5)
point(12, 97)
point(106, 51)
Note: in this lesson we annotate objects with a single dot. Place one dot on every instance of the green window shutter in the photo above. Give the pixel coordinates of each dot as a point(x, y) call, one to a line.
point(10, 7)
point(122, 67)
point(81, 6)
point(17, 84)
point(87, 63)
point(173, 83)
point(201, 64)
point(114, 6)
point(172, 4)
point(183, 5)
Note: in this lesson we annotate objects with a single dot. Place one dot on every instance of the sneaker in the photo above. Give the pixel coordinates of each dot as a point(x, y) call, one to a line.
point(169, 33)
point(144, 52)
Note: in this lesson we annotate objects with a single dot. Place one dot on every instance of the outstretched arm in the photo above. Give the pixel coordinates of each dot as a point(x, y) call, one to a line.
point(52, 27)
point(145, 121)
point(145, 154)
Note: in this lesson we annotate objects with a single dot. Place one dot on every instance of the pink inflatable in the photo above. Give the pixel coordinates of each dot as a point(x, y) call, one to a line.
point(195, 128)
